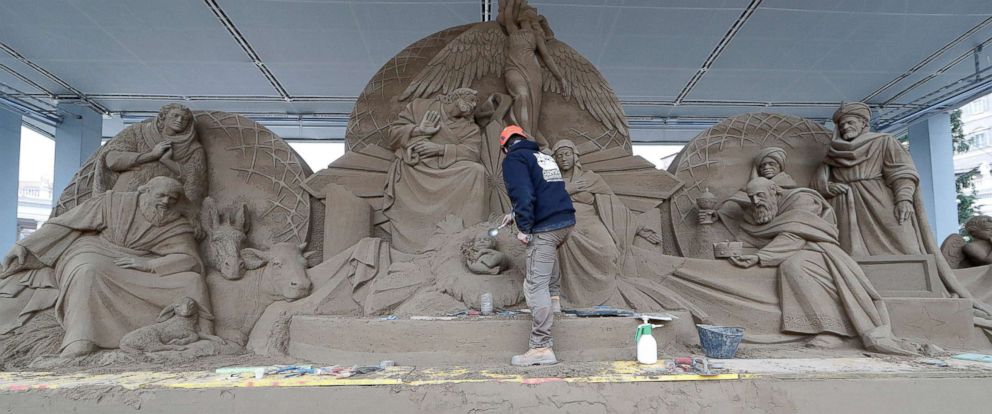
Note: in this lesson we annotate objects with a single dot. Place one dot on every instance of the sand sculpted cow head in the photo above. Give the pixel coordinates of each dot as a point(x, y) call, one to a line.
point(226, 234)
point(283, 267)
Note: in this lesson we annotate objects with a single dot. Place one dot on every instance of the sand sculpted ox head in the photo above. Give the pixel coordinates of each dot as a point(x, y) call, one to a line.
point(284, 270)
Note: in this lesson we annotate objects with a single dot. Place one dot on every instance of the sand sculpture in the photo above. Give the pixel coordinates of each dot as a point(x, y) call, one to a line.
point(116, 254)
point(481, 256)
point(397, 226)
point(961, 253)
point(823, 290)
point(436, 171)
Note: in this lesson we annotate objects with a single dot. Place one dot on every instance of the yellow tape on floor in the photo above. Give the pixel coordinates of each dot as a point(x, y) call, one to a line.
point(617, 372)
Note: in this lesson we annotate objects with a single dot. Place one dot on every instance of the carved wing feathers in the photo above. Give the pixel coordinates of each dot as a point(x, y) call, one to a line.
point(587, 85)
point(951, 248)
point(472, 55)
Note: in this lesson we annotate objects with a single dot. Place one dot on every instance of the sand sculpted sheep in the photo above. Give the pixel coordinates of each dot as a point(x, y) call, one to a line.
point(177, 327)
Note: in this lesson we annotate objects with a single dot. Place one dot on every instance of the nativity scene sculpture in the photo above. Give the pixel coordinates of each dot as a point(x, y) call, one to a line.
point(766, 221)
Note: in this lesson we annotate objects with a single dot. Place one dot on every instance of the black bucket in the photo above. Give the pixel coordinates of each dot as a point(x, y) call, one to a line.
point(720, 342)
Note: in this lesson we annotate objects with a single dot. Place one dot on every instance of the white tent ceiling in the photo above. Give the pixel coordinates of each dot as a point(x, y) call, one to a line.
point(670, 61)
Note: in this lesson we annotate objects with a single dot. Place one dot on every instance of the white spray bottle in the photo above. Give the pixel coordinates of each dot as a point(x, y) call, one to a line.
point(647, 346)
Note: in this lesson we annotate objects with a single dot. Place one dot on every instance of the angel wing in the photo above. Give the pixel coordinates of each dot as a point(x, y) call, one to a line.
point(951, 248)
point(472, 55)
point(587, 85)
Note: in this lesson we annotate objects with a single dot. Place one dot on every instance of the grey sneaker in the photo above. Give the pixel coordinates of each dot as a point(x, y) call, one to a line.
point(556, 304)
point(535, 356)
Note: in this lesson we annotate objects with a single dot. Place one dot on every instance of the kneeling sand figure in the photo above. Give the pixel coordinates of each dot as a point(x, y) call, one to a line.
point(481, 255)
point(116, 260)
point(823, 290)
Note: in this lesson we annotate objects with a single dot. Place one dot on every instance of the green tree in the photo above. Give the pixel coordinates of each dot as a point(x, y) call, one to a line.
point(964, 182)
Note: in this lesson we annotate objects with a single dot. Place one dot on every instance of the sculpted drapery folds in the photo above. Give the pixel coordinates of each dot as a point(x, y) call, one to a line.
point(823, 290)
point(437, 168)
point(109, 266)
point(872, 184)
point(599, 260)
point(167, 146)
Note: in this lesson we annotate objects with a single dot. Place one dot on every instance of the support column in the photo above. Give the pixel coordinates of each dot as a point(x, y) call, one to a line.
point(10, 138)
point(76, 138)
point(932, 151)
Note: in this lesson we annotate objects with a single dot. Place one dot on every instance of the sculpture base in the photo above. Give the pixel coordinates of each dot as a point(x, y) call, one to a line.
point(349, 340)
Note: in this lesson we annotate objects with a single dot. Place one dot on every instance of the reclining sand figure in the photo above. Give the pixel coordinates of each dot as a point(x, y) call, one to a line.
point(823, 290)
point(109, 266)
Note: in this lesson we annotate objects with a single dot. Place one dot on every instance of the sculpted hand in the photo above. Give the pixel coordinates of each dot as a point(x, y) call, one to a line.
point(429, 125)
point(523, 237)
point(428, 149)
point(836, 189)
point(705, 216)
point(650, 236)
point(904, 210)
point(745, 261)
point(18, 254)
point(506, 220)
point(161, 149)
point(135, 263)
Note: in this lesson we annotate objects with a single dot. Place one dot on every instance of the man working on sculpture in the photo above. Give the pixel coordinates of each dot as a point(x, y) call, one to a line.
point(116, 260)
point(544, 216)
point(437, 170)
point(823, 290)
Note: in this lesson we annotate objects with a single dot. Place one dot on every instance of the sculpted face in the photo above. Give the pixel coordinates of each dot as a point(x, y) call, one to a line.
point(466, 104)
point(764, 200)
point(851, 126)
point(565, 158)
point(769, 168)
point(176, 121)
point(158, 199)
point(483, 243)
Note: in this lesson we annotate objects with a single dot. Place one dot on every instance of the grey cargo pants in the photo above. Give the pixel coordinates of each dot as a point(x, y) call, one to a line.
point(542, 282)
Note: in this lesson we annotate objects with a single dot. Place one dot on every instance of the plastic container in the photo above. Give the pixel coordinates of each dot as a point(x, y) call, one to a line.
point(720, 342)
point(647, 346)
point(486, 303)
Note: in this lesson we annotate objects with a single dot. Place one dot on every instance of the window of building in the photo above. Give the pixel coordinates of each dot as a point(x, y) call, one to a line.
point(34, 186)
point(975, 107)
point(980, 140)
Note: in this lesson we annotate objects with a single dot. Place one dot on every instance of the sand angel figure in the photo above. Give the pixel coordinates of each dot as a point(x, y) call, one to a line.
point(520, 46)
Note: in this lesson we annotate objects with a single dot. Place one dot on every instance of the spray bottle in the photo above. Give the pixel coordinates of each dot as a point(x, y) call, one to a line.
point(647, 347)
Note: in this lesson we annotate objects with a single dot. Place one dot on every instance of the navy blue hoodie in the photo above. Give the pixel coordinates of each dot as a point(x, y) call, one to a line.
point(536, 189)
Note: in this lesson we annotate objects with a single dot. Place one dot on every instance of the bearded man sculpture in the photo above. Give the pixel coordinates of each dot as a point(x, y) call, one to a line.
point(115, 261)
point(437, 170)
point(824, 292)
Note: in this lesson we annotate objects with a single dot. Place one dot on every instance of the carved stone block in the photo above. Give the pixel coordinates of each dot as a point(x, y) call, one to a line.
point(944, 322)
point(904, 276)
point(348, 219)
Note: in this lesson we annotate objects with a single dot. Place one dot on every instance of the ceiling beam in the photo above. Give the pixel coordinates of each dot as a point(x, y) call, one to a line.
point(971, 52)
point(964, 36)
point(734, 28)
point(51, 76)
point(248, 49)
